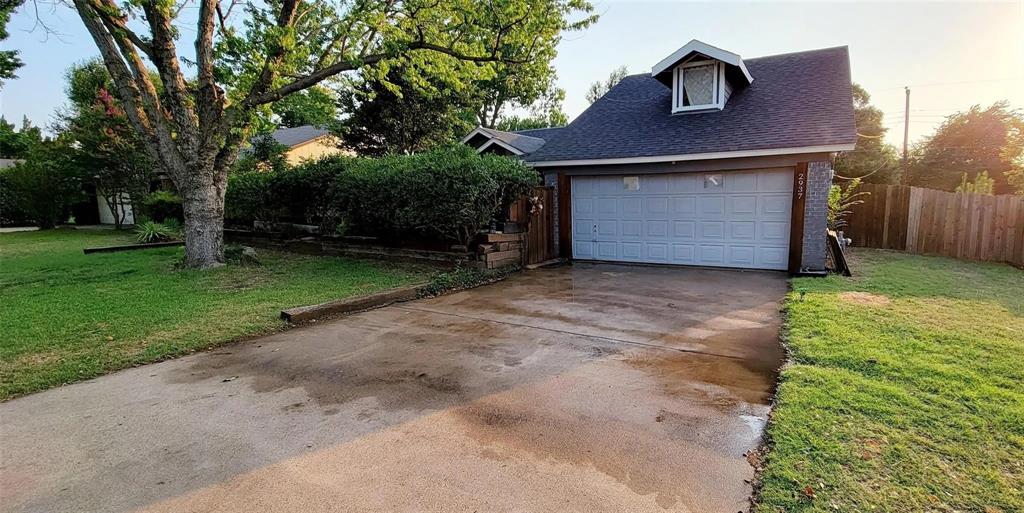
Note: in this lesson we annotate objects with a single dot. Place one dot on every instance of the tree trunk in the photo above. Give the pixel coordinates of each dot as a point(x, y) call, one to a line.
point(204, 225)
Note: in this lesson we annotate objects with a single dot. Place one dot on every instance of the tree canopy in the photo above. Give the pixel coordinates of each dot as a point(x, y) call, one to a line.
point(9, 60)
point(979, 139)
point(873, 160)
point(599, 88)
point(196, 127)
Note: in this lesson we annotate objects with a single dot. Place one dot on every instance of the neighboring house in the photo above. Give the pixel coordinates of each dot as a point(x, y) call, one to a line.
point(307, 143)
point(709, 160)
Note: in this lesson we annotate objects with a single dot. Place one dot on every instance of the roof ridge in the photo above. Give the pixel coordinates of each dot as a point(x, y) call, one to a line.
point(813, 50)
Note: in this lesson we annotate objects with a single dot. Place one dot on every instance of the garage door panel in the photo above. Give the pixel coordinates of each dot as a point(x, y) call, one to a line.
point(683, 206)
point(711, 205)
point(740, 182)
point(583, 229)
point(607, 250)
point(711, 254)
point(712, 230)
point(686, 183)
point(658, 229)
point(740, 256)
point(583, 206)
point(684, 253)
point(607, 206)
point(743, 230)
point(744, 206)
point(657, 251)
point(630, 208)
point(583, 250)
point(631, 229)
point(607, 228)
point(775, 206)
point(631, 250)
point(656, 184)
point(774, 231)
point(772, 257)
point(684, 229)
point(774, 182)
point(730, 219)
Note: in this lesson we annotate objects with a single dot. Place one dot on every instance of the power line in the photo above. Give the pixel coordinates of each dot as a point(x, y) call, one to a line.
point(932, 84)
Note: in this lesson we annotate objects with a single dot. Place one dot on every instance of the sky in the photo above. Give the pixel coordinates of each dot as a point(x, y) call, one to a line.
point(951, 55)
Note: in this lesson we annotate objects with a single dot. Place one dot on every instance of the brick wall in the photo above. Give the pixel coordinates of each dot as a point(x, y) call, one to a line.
point(819, 179)
point(551, 180)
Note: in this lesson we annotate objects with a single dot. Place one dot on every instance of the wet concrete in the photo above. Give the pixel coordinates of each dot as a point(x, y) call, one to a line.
point(586, 388)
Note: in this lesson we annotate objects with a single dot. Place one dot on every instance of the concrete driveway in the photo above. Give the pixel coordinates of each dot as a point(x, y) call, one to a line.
point(585, 388)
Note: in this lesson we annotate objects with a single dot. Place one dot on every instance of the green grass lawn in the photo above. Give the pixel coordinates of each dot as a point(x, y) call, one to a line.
point(66, 316)
point(906, 391)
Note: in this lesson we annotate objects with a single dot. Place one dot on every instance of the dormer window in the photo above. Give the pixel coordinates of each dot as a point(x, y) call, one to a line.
point(702, 77)
point(698, 86)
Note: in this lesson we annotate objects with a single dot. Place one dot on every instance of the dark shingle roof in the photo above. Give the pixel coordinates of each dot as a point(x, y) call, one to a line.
point(301, 134)
point(522, 140)
point(796, 100)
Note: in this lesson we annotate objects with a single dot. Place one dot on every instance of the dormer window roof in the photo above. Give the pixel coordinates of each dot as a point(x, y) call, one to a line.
point(702, 77)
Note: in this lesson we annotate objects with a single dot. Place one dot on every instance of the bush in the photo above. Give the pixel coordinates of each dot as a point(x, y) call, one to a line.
point(450, 193)
point(149, 232)
point(447, 194)
point(296, 195)
point(246, 198)
point(163, 205)
point(44, 187)
point(11, 211)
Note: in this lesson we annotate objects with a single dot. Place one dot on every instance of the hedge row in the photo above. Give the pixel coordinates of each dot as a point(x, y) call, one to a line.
point(448, 194)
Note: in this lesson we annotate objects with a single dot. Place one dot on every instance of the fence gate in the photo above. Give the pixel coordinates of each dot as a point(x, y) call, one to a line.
point(540, 240)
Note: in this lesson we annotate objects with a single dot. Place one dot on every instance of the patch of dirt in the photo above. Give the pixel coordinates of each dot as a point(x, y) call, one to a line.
point(865, 298)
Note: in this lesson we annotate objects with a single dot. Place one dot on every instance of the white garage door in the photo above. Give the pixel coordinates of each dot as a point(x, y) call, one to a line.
point(724, 219)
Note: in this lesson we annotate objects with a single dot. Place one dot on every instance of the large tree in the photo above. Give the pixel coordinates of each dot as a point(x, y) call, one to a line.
point(105, 145)
point(195, 129)
point(873, 161)
point(976, 140)
point(398, 114)
point(9, 60)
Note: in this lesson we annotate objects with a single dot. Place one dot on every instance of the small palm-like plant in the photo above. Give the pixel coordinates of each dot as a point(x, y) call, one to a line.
point(149, 232)
point(841, 200)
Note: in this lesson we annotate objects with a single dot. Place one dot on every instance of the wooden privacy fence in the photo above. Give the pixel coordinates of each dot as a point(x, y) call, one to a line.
point(926, 221)
point(541, 238)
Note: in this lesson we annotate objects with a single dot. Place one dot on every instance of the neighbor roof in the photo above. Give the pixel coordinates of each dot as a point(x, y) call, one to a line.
point(798, 100)
point(292, 137)
point(522, 141)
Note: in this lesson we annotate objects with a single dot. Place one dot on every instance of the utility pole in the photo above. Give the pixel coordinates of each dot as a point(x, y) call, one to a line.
point(906, 126)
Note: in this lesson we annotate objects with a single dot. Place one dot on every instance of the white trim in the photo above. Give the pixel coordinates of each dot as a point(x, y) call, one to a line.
point(478, 130)
point(498, 142)
point(705, 49)
point(698, 156)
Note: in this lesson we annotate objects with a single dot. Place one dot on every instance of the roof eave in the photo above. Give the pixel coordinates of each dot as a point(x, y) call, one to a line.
point(828, 148)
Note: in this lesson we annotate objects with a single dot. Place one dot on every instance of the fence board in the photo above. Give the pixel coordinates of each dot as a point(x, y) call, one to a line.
point(960, 225)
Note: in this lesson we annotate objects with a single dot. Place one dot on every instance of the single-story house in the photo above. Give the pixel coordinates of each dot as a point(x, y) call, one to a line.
point(709, 160)
point(306, 143)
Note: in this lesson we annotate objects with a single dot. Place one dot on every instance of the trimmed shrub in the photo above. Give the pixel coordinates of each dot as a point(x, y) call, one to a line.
point(299, 195)
point(245, 200)
point(450, 193)
point(163, 205)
